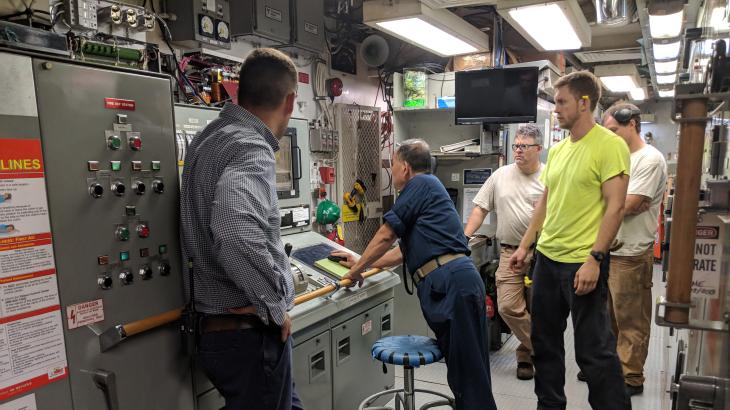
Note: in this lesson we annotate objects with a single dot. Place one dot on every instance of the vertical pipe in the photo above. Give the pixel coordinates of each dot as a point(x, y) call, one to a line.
point(408, 388)
point(684, 210)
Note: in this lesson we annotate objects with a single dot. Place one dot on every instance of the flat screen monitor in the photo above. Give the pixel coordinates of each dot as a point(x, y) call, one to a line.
point(497, 95)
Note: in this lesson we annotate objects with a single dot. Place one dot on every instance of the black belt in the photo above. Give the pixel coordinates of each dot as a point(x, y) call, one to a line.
point(507, 246)
point(220, 323)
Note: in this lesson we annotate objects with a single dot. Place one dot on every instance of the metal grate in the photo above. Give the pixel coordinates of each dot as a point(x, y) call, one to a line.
point(359, 158)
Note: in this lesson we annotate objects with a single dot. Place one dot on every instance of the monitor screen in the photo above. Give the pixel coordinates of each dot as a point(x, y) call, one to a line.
point(497, 95)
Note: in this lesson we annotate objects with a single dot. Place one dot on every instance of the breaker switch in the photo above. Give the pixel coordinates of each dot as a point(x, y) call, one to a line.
point(164, 268)
point(126, 277)
point(158, 186)
point(122, 233)
point(139, 187)
point(118, 188)
point(143, 231)
point(96, 190)
point(145, 272)
point(105, 282)
point(135, 143)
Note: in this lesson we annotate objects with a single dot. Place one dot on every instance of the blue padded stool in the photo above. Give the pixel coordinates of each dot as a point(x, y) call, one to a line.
point(409, 352)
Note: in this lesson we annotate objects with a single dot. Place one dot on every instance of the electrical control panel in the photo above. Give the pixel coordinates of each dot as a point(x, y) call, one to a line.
point(204, 22)
point(324, 140)
point(307, 31)
point(262, 19)
point(110, 187)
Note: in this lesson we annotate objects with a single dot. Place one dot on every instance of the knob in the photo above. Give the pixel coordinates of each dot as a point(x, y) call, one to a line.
point(126, 277)
point(118, 188)
point(139, 187)
point(143, 230)
point(105, 282)
point(135, 143)
point(164, 269)
point(158, 186)
point(96, 190)
point(122, 233)
point(145, 272)
point(114, 142)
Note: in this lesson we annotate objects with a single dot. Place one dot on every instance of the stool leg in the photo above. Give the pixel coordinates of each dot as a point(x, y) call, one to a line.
point(409, 388)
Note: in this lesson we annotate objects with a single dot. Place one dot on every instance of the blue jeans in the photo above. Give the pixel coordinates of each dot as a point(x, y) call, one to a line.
point(453, 304)
point(251, 368)
point(553, 298)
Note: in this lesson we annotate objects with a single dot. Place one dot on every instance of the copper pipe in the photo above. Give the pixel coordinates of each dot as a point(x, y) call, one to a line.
point(685, 206)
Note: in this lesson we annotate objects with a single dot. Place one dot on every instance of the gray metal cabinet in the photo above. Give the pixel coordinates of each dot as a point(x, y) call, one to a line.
point(311, 364)
point(348, 369)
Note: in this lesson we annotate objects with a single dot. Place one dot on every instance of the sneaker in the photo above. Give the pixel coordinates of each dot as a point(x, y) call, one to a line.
point(582, 377)
point(525, 371)
point(634, 390)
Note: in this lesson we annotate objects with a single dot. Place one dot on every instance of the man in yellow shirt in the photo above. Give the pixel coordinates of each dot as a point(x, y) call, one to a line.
point(581, 209)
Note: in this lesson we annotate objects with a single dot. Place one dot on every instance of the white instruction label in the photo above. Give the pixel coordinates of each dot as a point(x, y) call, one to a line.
point(82, 314)
point(23, 403)
point(367, 327)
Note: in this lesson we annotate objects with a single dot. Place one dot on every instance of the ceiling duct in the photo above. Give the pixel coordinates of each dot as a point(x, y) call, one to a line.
point(613, 12)
point(442, 4)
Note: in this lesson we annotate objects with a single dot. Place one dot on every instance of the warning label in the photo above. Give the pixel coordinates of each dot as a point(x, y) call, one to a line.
point(32, 351)
point(82, 314)
point(708, 259)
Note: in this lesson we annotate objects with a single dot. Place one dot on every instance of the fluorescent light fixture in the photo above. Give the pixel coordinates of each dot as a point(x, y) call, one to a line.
point(637, 94)
point(619, 83)
point(666, 93)
point(665, 67)
point(427, 36)
point(666, 79)
point(666, 26)
point(436, 30)
point(666, 51)
point(568, 28)
point(618, 78)
point(718, 19)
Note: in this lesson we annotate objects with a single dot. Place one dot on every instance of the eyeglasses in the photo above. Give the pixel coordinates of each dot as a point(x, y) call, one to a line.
point(523, 146)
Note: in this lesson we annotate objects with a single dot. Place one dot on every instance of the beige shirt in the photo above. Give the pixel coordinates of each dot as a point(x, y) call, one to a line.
point(649, 179)
point(512, 195)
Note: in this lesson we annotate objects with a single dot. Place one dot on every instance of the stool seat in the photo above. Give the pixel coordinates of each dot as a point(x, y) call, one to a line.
point(409, 350)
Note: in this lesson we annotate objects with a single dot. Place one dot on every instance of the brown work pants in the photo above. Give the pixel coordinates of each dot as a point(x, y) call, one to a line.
point(630, 307)
point(512, 305)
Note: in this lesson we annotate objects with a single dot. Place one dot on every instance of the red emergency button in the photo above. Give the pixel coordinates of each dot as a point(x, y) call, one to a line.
point(143, 231)
point(135, 143)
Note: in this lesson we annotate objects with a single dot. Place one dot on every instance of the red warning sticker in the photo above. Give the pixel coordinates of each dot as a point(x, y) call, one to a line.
point(119, 104)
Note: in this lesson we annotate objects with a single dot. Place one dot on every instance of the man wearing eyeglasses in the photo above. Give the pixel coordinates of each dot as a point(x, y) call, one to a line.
point(512, 192)
point(631, 266)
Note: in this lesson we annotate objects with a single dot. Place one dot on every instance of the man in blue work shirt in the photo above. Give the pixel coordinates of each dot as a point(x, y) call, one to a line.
point(449, 287)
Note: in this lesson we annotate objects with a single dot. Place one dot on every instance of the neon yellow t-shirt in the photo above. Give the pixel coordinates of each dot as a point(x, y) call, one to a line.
point(573, 176)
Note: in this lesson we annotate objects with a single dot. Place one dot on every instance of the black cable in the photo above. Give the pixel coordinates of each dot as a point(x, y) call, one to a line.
point(167, 37)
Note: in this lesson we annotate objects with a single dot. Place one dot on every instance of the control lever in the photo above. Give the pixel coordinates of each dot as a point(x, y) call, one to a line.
point(287, 249)
point(107, 382)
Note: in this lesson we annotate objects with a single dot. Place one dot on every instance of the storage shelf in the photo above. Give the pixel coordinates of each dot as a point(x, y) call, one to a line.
point(459, 155)
point(421, 110)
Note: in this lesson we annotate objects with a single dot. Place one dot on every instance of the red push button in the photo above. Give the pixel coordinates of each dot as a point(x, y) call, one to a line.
point(143, 231)
point(135, 143)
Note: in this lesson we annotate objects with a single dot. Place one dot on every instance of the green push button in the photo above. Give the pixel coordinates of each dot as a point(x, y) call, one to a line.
point(116, 165)
point(122, 233)
point(124, 256)
point(114, 142)
point(163, 249)
point(155, 165)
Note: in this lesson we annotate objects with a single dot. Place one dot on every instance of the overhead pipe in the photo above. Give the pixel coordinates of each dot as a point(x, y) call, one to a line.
point(684, 209)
